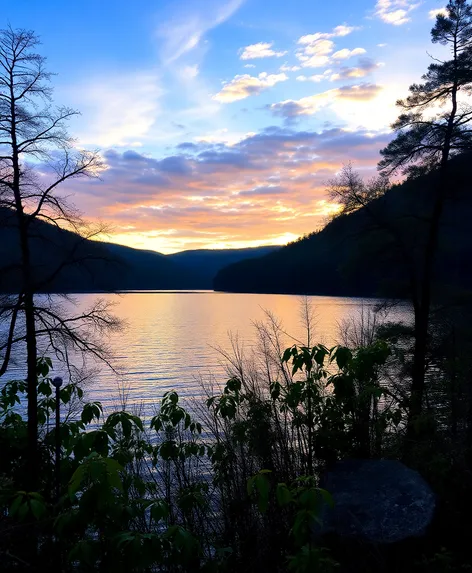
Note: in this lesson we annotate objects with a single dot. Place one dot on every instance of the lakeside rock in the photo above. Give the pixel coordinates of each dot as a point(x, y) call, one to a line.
point(380, 501)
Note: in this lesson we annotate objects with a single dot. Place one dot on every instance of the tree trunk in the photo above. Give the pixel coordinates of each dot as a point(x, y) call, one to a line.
point(32, 385)
point(28, 300)
point(422, 313)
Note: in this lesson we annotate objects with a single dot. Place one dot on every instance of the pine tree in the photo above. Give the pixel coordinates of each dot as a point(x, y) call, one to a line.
point(433, 126)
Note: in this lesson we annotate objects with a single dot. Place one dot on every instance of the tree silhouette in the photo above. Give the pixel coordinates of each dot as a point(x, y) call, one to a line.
point(433, 126)
point(36, 156)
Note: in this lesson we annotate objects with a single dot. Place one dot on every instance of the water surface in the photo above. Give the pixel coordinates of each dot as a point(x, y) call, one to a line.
point(170, 337)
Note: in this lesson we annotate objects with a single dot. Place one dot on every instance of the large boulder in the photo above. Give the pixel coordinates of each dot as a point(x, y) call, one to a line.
point(380, 501)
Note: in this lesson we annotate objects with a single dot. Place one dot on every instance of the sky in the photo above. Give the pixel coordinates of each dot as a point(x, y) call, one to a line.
point(220, 122)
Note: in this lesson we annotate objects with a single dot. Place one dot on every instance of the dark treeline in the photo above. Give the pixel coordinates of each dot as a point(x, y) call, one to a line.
point(66, 261)
point(356, 254)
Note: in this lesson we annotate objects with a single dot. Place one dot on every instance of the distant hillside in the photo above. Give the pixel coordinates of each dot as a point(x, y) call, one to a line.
point(92, 265)
point(97, 266)
point(205, 263)
point(354, 255)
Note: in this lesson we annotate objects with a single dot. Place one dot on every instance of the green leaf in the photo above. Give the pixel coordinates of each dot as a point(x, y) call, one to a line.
point(38, 508)
point(159, 510)
point(343, 356)
point(17, 501)
point(76, 480)
point(283, 494)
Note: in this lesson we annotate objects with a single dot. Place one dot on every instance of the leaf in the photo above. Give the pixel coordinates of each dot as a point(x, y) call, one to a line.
point(287, 355)
point(343, 356)
point(38, 508)
point(159, 510)
point(76, 480)
point(260, 485)
point(18, 500)
point(283, 494)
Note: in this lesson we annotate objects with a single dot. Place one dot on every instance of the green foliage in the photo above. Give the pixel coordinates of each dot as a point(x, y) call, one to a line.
point(168, 494)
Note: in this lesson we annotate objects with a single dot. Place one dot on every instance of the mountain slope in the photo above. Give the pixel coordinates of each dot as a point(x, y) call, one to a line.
point(63, 261)
point(205, 263)
point(360, 254)
point(98, 266)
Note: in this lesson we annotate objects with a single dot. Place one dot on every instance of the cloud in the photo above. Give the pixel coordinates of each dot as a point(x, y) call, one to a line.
point(344, 54)
point(289, 109)
point(243, 86)
point(315, 78)
point(263, 190)
point(183, 32)
point(117, 110)
point(260, 50)
point(395, 12)
point(188, 72)
point(438, 12)
point(267, 188)
point(287, 68)
point(249, 66)
point(339, 31)
point(317, 49)
point(315, 52)
point(361, 92)
point(366, 66)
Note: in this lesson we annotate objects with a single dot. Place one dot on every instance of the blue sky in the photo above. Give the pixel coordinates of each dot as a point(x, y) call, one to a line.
point(220, 121)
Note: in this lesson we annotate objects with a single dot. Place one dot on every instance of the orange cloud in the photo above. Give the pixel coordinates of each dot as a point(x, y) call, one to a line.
point(266, 188)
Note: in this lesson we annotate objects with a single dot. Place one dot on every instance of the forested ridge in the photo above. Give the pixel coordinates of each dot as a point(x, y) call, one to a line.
point(356, 256)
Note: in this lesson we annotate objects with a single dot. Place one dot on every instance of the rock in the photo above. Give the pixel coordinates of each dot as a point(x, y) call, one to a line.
point(381, 501)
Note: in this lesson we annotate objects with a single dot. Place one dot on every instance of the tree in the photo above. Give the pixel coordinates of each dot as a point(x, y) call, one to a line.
point(36, 156)
point(433, 126)
point(352, 192)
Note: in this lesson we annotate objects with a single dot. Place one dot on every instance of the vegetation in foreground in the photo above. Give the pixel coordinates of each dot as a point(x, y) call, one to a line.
point(232, 484)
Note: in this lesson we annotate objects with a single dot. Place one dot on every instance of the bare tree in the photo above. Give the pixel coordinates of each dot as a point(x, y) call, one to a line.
point(351, 192)
point(36, 156)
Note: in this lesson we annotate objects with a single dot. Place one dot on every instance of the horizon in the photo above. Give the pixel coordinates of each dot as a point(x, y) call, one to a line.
point(220, 124)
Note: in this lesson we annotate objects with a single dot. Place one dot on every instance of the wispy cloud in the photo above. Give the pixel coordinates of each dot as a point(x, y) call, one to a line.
point(243, 86)
point(365, 67)
point(287, 68)
point(185, 32)
point(345, 53)
point(260, 50)
point(395, 12)
point(118, 110)
point(315, 78)
point(310, 105)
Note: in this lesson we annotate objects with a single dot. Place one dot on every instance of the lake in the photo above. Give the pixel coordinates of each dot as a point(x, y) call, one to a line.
point(170, 337)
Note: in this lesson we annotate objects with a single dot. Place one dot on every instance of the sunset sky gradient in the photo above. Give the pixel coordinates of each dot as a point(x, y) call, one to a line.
point(220, 121)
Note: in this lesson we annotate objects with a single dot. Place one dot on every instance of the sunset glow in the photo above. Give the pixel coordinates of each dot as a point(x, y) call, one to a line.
point(220, 122)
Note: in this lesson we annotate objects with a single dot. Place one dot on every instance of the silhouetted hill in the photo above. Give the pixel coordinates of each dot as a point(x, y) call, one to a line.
point(64, 262)
point(355, 255)
point(205, 263)
point(90, 265)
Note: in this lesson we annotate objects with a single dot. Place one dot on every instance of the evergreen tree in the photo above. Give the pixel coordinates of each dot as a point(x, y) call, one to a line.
point(433, 126)
point(434, 122)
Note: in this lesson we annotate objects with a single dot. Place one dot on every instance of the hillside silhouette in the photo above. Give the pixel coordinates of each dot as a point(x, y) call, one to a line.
point(360, 254)
point(65, 262)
